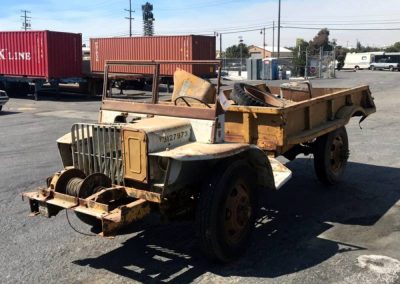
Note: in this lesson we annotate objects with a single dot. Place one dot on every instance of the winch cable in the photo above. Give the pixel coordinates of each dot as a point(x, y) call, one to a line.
point(74, 186)
point(76, 230)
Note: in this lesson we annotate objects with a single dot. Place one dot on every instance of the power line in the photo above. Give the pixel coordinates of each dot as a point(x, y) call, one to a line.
point(26, 23)
point(341, 24)
point(248, 30)
point(202, 5)
point(342, 29)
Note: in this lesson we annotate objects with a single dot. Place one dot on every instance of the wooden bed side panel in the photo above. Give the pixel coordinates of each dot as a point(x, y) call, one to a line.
point(261, 129)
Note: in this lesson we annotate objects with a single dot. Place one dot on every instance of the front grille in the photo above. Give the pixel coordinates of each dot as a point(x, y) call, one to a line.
point(97, 148)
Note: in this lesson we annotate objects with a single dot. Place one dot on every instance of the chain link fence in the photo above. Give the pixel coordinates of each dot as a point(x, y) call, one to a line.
point(321, 66)
point(233, 64)
point(317, 66)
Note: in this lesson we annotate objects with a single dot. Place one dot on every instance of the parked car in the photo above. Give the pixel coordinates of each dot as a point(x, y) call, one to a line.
point(3, 98)
point(385, 63)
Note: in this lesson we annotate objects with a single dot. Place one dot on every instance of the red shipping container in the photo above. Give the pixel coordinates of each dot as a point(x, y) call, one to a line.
point(41, 54)
point(191, 47)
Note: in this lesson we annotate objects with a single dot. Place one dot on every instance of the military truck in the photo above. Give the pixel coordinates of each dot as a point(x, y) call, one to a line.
point(206, 154)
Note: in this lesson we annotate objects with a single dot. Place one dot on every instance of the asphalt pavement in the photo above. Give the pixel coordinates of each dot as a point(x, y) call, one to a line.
point(308, 234)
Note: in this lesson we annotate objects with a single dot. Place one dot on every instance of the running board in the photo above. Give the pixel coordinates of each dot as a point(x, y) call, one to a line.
point(281, 173)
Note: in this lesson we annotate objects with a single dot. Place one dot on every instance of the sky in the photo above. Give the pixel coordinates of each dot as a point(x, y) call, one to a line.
point(348, 21)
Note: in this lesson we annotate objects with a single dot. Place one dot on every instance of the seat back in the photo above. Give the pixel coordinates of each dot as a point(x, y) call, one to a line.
point(187, 84)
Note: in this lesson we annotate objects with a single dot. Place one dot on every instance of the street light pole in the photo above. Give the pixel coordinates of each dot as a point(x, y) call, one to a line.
point(279, 29)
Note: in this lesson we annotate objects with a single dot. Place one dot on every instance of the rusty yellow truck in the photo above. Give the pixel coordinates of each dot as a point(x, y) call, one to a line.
point(206, 153)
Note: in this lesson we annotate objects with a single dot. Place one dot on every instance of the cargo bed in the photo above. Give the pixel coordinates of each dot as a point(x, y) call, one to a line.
point(304, 117)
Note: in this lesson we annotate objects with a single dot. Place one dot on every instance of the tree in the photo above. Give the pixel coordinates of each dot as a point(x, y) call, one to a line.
point(340, 55)
point(299, 56)
point(359, 46)
point(394, 47)
point(234, 51)
point(320, 40)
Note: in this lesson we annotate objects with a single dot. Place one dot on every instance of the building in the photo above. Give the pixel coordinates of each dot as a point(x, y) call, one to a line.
point(258, 52)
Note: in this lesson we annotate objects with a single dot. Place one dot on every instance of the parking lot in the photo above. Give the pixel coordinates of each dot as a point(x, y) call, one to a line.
point(308, 234)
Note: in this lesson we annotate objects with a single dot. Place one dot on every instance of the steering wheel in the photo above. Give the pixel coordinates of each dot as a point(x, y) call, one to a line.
point(183, 98)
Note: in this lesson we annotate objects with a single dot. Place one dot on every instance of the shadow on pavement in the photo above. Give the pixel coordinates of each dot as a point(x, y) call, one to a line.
point(286, 236)
point(5, 112)
point(63, 96)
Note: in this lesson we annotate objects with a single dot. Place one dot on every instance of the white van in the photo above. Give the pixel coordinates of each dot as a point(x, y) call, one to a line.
point(360, 60)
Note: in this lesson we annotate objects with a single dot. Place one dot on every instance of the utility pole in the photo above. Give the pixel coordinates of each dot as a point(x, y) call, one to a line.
point(263, 32)
point(130, 17)
point(26, 24)
point(241, 54)
point(217, 34)
point(273, 38)
point(279, 29)
point(220, 45)
point(306, 67)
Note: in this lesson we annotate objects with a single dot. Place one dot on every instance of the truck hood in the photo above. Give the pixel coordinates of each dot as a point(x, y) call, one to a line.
point(163, 133)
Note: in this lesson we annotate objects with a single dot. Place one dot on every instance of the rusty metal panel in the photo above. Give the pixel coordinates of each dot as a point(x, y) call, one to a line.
point(135, 155)
point(203, 50)
point(40, 54)
point(154, 48)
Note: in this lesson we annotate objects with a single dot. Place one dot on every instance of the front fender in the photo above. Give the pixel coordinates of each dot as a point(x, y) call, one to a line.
point(65, 149)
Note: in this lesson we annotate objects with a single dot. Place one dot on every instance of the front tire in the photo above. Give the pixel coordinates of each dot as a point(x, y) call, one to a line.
point(331, 152)
point(226, 211)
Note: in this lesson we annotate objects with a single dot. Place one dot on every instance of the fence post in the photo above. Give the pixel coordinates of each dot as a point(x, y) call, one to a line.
point(320, 63)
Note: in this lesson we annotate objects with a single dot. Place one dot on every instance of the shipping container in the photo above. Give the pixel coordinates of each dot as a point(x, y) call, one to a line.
point(40, 54)
point(191, 47)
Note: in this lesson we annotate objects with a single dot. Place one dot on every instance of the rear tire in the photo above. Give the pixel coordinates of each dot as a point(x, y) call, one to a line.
point(331, 152)
point(391, 68)
point(226, 211)
point(372, 68)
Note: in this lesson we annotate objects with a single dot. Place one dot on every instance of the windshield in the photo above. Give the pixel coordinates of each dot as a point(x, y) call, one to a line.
point(189, 77)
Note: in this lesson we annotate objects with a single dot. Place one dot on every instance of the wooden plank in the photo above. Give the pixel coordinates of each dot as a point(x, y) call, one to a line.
point(327, 97)
point(316, 132)
point(158, 109)
point(246, 127)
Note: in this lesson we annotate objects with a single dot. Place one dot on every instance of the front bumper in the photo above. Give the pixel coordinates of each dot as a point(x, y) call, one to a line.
point(3, 100)
point(114, 207)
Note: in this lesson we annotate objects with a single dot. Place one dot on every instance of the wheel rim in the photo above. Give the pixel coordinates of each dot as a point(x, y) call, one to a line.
point(237, 213)
point(338, 154)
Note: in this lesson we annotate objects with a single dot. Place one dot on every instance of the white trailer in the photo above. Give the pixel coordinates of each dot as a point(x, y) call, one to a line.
point(360, 60)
